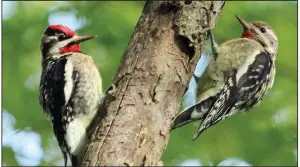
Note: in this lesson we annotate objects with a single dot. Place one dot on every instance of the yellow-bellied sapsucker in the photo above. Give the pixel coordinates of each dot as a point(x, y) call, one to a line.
point(240, 73)
point(70, 89)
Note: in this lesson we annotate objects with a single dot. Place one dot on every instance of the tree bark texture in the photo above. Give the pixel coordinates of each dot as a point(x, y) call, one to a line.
point(133, 124)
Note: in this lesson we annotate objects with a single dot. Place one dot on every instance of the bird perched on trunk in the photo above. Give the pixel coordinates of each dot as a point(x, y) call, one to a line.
point(70, 89)
point(240, 73)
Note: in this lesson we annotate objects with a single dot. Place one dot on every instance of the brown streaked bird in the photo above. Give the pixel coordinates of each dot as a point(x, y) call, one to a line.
point(240, 73)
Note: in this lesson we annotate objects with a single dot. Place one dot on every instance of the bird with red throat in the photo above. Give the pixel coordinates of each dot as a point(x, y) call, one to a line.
point(240, 73)
point(70, 89)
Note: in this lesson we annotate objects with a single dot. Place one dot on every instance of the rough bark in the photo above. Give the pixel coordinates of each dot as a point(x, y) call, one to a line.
point(132, 127)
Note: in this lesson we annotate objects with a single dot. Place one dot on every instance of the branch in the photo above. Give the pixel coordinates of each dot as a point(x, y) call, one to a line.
point(132, 127)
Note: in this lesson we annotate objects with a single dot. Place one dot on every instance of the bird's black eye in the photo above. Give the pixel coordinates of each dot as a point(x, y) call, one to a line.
point(263, 30)
point(62, 37)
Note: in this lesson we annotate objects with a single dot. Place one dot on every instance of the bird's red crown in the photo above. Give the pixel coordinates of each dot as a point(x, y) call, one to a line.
point(62, 28)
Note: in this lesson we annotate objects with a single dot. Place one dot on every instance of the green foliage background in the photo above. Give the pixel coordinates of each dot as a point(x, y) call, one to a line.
point(265, 136)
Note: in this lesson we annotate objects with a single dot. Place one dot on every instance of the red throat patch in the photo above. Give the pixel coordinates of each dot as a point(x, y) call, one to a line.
point(247, 34)
point(70, 48)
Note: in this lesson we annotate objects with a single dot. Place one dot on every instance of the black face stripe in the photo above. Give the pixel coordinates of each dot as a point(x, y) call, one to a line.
point(61, 35)
point(51, 32)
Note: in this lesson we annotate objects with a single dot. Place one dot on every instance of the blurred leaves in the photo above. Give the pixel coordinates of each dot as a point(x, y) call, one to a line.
point(265, 136)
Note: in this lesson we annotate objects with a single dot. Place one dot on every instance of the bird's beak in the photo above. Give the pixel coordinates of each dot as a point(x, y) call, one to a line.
point(79, 39)
point(245, 25)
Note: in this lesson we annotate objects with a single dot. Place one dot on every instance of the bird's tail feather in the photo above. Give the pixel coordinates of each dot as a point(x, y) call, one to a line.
point(182, 118)
point(188, 116)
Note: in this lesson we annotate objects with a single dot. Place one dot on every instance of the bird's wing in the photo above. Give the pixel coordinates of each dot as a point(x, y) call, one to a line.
point(242, 85)
point(251, 84)
point(61, 82)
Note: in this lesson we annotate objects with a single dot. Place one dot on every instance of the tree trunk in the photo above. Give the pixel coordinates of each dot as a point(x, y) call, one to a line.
point(133, 124)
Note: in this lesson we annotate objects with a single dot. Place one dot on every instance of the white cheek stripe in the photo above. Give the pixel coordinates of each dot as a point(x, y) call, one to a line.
point(68, 81)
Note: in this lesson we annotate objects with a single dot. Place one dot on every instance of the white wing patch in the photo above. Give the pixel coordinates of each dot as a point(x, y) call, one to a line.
point(244, 67)
point(68, 81)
